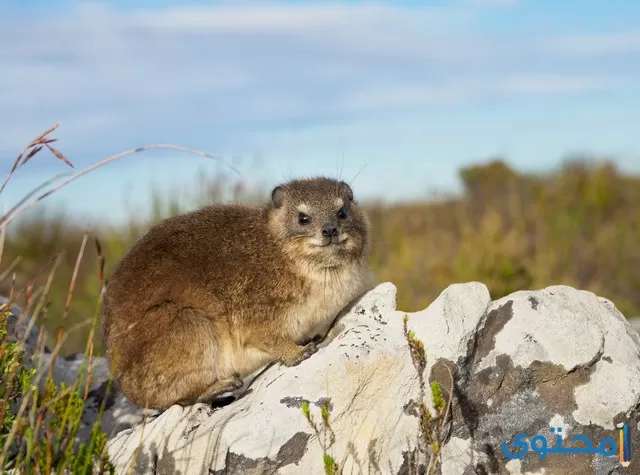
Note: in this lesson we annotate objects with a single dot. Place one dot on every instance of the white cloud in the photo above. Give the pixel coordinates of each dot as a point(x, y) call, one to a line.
point(207, 70)
point(556, 84)
point(597, 44)
point(460, 91)
point(499, 3)
point(264, 18)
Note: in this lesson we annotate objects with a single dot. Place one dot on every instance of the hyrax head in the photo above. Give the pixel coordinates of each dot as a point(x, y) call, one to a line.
point(318, 219)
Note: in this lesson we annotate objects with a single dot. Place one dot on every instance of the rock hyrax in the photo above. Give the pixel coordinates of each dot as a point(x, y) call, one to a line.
point(207, 298)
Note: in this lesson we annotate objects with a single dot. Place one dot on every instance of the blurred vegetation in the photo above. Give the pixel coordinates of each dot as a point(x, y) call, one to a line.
point(579, 226)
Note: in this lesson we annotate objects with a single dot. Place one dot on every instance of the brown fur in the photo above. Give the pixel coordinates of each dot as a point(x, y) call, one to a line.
point(207, 298)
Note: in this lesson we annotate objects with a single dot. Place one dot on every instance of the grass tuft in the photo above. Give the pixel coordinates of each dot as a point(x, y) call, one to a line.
point(324, 433)
point(431, 424)
point(40, 418)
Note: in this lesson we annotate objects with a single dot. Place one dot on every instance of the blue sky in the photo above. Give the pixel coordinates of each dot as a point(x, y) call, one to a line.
point(411, 91)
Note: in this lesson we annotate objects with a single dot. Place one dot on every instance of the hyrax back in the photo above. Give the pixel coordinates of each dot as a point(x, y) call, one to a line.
point(208, 297)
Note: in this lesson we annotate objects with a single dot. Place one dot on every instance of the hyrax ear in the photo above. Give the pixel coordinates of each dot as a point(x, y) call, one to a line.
point(277, 196)
point(345, 190)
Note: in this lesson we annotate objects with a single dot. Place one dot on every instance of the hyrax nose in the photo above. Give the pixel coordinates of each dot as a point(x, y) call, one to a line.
point(329, 230)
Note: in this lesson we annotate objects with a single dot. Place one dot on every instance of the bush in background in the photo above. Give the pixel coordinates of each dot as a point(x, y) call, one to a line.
point(579, 226)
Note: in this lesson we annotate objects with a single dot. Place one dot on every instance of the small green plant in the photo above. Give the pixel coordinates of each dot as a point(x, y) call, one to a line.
point(430, 425)
point(39, 428)
point(15, 379)
point(41, 419)
point(324, 433)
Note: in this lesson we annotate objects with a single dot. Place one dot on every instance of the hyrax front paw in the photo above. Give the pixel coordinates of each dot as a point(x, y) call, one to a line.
point(303, 354)
point(236, 381)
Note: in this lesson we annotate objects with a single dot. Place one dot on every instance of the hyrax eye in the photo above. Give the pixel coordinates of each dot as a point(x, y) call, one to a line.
point(342, 214)
point(303, 219)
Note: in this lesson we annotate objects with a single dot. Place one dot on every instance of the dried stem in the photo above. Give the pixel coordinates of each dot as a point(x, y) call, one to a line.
point(7, 218)
point(72, 286)
point(33, 148)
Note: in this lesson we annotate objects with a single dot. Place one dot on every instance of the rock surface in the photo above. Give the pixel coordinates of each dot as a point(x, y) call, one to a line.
point(528, 362)
point(523, 364)
point(635, 323)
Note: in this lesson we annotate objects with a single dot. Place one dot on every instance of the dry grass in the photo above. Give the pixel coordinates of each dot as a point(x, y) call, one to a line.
point(579, 226)
point(40, 417)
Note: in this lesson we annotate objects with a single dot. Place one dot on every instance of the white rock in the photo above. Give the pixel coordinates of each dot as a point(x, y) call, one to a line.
point(524, 363)
point(365, 373)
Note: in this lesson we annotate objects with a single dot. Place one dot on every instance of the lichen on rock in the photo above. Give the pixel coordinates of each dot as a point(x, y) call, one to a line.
point(527, 363)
